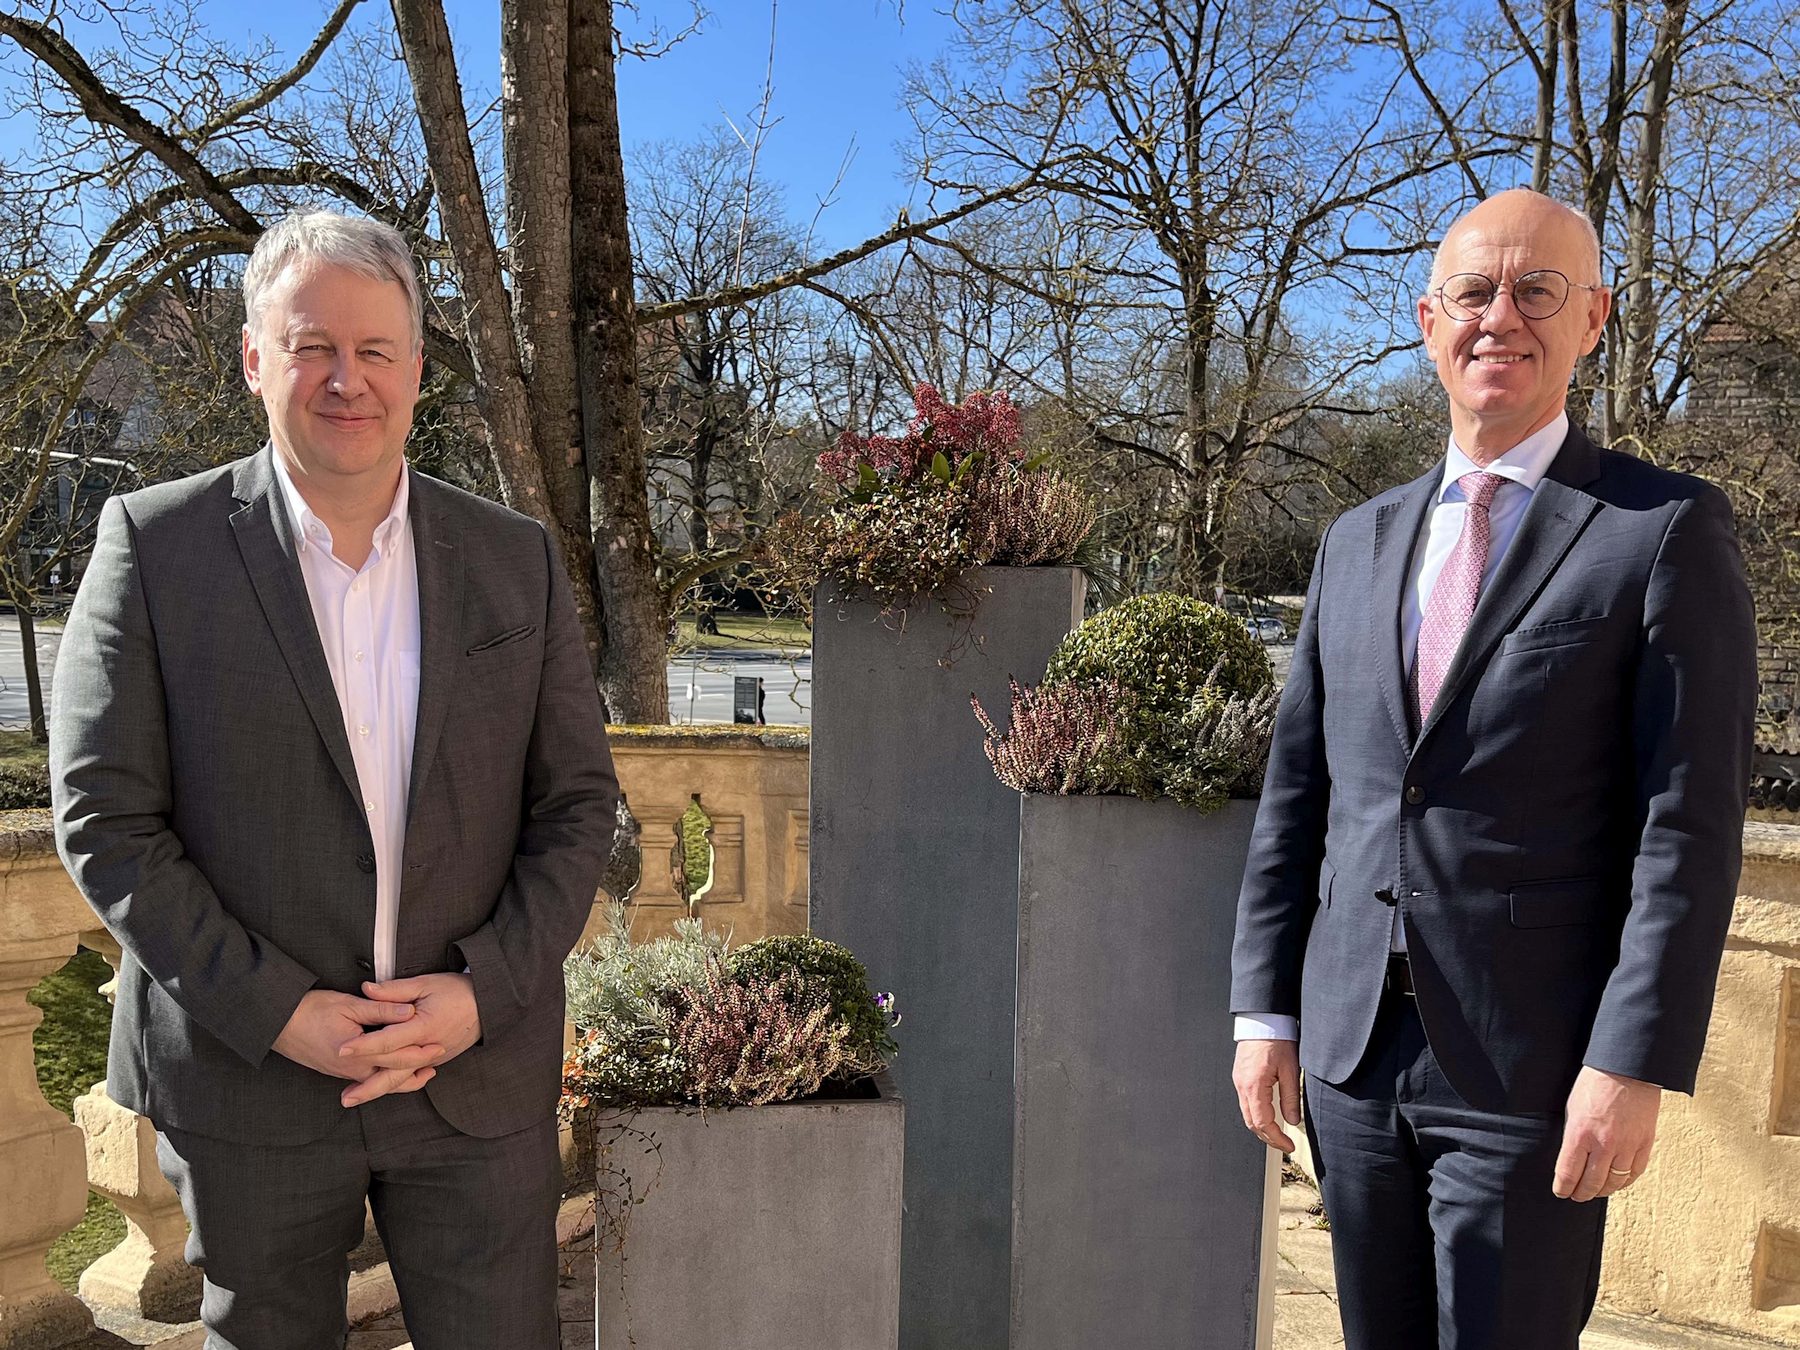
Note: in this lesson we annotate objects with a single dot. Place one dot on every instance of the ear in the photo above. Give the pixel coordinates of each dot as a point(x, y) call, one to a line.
point(252, 362)
point(1428, 316)
point(1599, 307)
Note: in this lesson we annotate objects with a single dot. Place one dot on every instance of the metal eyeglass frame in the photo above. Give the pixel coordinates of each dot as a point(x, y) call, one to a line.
point(1444, 303)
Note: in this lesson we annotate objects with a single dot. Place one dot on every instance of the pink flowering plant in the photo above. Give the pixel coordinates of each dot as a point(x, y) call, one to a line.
point(908, 514)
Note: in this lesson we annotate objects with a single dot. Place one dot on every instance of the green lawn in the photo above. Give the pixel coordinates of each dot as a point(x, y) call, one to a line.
point(17, 747)
point(743, 630)
point(71, 1058)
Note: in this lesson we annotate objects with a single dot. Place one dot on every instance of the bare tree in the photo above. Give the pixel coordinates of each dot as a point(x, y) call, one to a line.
point(1236, 169)
point(1676, 129)
point(532, 265)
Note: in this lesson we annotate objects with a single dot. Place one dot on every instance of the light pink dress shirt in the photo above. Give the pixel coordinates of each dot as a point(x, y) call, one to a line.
point(368, 624)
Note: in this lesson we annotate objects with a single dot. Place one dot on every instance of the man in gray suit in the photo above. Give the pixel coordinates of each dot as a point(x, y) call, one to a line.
point(1499, 840)
point(330, 764)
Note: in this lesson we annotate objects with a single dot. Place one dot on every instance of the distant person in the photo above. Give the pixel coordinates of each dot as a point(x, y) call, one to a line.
point(1498, 845)
point(329, 763)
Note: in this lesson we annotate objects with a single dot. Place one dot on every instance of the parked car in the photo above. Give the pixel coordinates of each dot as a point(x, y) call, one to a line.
point(1266, 629)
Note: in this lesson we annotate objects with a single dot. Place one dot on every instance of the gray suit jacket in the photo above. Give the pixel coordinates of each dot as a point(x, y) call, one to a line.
point(206, 802)
point(1562, 837)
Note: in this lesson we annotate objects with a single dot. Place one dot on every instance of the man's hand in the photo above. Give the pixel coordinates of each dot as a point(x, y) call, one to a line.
point(1608, 1137)
point(1262, 1069)
point(444, 1022)
point(325, 1021)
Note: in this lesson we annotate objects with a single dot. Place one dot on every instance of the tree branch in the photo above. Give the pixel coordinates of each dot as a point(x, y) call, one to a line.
point(903, 229)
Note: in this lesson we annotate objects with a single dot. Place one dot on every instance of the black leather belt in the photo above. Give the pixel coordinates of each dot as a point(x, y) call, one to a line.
point(1399, 976)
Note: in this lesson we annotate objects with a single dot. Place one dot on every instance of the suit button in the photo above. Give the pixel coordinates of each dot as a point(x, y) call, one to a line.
point(1415, 794)
point(366, 861)
point(366, 967)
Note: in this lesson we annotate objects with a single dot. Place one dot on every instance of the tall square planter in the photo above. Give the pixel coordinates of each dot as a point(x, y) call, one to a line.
point(1143, 1210)
point(914, 867)
point(764, 1228)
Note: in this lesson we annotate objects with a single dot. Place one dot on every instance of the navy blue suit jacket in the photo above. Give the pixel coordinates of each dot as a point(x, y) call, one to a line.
point(1563, 835)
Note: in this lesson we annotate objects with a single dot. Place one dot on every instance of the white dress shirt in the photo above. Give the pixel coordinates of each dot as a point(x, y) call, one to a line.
point(1525, 465)
point(368, 624)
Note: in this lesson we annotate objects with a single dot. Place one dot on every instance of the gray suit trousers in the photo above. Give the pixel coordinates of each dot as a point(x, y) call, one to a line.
point(469, 1225)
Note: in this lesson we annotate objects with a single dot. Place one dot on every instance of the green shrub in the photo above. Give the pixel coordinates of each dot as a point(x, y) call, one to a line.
point(1196, 701)
point(1162, 649)
point(24, 787)
point(826, 966)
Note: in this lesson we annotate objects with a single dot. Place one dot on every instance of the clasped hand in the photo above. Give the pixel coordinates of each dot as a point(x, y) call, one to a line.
point(392, 1040)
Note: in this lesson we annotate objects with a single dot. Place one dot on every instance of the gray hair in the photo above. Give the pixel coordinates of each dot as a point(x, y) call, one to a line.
point(1589, 234)
point(368, 247)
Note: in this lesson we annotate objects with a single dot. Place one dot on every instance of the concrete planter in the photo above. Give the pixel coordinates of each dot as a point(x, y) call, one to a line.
point(914, 867)
point(1143, 1211)
point(771, 1228)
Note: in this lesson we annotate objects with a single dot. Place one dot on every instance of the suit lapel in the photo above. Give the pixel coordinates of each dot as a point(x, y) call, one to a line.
point(1556, 515)
point(1397, 526)
point(437, 548)
point(265, 539)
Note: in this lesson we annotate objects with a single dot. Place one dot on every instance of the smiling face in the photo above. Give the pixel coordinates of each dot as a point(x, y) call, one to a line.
point(1507, 375)
point(337, 366)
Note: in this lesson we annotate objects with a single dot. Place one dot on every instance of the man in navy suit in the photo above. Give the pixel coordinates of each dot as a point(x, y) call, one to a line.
point(1499, 841)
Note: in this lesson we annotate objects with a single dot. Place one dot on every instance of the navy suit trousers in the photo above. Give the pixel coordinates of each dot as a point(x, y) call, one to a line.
point(1445, 1232)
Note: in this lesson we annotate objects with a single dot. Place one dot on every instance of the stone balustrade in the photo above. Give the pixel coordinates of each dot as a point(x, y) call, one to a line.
point(750, 782)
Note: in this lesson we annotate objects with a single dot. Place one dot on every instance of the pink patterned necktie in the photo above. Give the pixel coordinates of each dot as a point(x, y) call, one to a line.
point(1453, 597)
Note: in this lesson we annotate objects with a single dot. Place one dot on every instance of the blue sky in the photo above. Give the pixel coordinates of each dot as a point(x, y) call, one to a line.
point(837, 77)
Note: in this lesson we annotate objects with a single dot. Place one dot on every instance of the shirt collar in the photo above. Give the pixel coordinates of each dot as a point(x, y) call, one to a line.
point(309, 529)
point(1525, 464)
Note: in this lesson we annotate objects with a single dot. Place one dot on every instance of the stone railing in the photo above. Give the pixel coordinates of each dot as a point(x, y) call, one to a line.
point(751, 783)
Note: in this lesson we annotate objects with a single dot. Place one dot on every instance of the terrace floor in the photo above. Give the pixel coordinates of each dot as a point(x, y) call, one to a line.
point(1305, 1300)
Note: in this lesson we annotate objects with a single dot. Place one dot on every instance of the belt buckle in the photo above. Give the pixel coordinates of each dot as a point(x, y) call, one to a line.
point(1399, 976)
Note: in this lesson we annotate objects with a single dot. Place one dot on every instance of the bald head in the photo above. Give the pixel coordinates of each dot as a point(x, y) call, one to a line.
point(1519, 215)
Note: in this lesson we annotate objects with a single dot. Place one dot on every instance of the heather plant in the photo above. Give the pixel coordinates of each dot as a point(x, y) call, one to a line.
point(828, 967)
point(1161, 696)
point(909, 514)
point(1060, 738)
point(683, 1020)
point(749, 1043)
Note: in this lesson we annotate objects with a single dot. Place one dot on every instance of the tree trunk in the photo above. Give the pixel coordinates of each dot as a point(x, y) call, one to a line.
point(499, 379)
point(34, 689)
point(534, 97)
point(1633, 379)
point(632, 663)
point(1544, 132)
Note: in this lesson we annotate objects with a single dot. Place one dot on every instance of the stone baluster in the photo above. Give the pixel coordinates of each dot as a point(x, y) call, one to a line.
point(146, 1274)
point(43, 1182)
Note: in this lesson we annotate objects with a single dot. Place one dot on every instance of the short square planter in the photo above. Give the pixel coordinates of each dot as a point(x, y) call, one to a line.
point(1143, 1211)
point(761, 1228)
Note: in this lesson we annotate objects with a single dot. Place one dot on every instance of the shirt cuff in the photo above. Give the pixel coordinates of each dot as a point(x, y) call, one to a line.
point(1265, 1027)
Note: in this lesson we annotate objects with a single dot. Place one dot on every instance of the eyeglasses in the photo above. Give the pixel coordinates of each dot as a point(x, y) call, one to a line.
point(1537, 295)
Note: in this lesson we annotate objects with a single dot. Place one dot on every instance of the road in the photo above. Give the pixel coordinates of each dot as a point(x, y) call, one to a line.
point(700, 685)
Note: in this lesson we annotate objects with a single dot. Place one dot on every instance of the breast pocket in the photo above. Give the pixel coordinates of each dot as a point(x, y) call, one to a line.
point(1549, 636)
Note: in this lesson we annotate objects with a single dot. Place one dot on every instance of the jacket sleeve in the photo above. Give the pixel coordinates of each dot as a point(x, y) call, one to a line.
point(566, 827)
point(1693, 722)
point(110, 789)
point(1280, 891)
